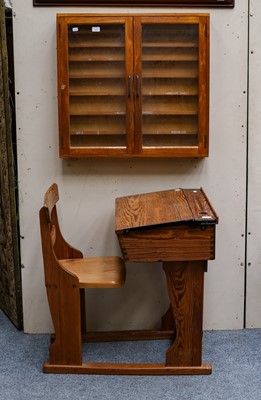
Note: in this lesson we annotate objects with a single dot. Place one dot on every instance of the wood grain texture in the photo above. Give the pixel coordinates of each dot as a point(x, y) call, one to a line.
point(200, 205)
point(65, 281)
point(65, 278)
point(164, 207)
point(149, 209)
point(180, 243)
point(64, 302)
point(97, 272)
point(185, 287)
point(127, 369)
point(141, 334)
point(51, 197)
point(170, 225)
point(168, 320)
point(178, 228)
point(139, 103)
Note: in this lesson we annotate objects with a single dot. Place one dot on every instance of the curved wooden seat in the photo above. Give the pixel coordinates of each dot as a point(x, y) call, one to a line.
point(97, 272)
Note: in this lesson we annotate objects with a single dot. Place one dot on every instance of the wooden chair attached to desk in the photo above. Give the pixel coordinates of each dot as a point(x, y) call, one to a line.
point(176, 227)
point(67, 275)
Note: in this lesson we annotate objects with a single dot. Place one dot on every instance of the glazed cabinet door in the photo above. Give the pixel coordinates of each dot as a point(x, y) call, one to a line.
point(133, 86)
point(95, 79)
point(171, 79)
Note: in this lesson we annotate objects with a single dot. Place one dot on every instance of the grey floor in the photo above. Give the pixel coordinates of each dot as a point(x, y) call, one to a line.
point(235, 357)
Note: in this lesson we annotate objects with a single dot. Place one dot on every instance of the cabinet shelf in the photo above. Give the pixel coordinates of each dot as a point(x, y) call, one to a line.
point(96, 70)
point(98, 112)
point(169, 69)
point(99, 141)
point(97, 54)
point(97, 105)
point(89, 125)
point(166, 141)
point(170, 106)
point(169, 54)
point(95, 40)
point(93, 132)
point(97, 87)
point(178, 125)
point(80, 46)
point(169, 87)
point(170, 45)
point(161, 132)
point(173, 133)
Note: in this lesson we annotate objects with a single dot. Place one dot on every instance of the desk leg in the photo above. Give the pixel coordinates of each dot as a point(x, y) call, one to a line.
point(185, 282)
point(168, 321)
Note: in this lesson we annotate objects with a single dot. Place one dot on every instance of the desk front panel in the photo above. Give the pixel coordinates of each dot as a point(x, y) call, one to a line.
point(173, 243)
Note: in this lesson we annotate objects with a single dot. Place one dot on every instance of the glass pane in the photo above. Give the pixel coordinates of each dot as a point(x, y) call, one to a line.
point(97, 85)
point(170, 85)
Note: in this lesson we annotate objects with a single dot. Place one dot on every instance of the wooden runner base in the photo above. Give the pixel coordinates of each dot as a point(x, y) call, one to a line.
point(127, 369)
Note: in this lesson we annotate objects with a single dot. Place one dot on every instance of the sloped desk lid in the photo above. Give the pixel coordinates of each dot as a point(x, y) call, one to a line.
point(164, 207)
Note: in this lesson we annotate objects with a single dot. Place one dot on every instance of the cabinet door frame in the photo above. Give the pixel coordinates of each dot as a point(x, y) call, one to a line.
point(66, 151)
point(201, 150)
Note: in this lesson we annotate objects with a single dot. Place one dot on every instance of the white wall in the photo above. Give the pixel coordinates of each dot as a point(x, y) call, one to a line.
point(88, 187)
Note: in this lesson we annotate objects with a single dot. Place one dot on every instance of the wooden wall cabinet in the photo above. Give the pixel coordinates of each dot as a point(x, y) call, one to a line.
point(133, 85)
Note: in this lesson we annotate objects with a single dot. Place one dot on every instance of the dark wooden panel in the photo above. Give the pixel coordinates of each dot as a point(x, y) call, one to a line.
point(148, 3)
point(10, 283)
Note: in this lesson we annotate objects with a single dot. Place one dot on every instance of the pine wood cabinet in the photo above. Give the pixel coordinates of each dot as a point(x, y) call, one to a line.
point(133, 85)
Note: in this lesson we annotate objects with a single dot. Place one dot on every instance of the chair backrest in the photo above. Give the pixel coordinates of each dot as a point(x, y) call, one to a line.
point(53, 242)
point(61, 285)
point(51, 197)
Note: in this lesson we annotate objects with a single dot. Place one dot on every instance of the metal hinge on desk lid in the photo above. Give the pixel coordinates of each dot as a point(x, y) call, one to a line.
point(204, 224)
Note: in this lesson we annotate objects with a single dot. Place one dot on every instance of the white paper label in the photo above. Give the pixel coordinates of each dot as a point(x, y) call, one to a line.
point(96, 29)
point(75, 29)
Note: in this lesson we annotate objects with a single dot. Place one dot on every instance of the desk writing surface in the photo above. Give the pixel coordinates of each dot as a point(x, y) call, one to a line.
point(164, 207)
